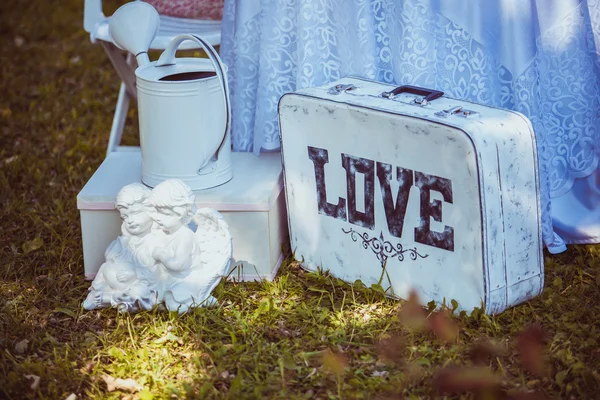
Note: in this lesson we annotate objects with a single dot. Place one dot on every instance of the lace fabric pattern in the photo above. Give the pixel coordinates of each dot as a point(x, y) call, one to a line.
point(290, 44)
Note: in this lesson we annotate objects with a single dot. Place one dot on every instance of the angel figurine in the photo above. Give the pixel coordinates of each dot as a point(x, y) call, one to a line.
point(159, 258)
point(191, 263)
point(127, 279)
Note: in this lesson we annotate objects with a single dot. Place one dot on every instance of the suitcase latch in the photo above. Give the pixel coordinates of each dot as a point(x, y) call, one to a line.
point(458, 111)
point(337, 89)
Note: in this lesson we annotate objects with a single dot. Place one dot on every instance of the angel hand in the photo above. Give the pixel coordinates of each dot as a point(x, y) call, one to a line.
point(160, 254)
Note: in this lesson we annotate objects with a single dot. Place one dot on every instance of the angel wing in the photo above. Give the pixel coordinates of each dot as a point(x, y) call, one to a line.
point(213, 241)
point(211, 261)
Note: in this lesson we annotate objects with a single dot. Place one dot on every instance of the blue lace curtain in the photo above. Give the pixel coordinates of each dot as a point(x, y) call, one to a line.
point(539, 57)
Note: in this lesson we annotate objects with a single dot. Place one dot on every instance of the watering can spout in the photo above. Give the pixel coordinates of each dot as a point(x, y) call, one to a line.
point(133, 28)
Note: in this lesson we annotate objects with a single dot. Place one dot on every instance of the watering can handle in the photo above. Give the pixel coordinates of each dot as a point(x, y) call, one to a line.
point(168, 58)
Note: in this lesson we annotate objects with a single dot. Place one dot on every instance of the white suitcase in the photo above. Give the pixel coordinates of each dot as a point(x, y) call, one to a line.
point(411, 190)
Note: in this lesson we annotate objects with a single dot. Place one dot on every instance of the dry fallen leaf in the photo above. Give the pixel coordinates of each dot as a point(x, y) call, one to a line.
point(36, 381)
point(483, 352)
point(87, 368)
point(380, 374)
point(6, 112)
point(412, 314)
point(392, 349)
point(335, 363)
point(454, 380)
point(533, 395)
point(414, 372)
point(531, 343)
point(32, 245)
point(128, 385)
point(443, 327)
point(21, 347)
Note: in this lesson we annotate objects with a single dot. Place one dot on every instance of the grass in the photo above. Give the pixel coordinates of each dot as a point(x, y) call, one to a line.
point(306, 335)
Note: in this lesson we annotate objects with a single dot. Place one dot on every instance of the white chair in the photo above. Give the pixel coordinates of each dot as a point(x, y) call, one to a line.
point(96, 24)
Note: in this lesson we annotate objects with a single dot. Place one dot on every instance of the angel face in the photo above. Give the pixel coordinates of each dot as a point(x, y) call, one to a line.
point(136, 219)
point(169, 219)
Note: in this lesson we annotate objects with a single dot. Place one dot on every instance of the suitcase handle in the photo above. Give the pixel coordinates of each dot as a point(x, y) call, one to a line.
point(429, 94)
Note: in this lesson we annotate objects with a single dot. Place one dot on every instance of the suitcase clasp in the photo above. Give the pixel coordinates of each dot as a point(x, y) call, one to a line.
point(458, 111)
point(422, 101)
point(339, 88)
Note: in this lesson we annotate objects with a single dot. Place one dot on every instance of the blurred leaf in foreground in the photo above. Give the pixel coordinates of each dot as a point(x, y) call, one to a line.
point(454, 380)
point(443, 327)
point(530, 344)
point(392, 348)
point(412, 314)
point(482, 352)
point(334, 363)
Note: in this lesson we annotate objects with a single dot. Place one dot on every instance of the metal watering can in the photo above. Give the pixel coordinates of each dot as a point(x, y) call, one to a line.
point(183, 104)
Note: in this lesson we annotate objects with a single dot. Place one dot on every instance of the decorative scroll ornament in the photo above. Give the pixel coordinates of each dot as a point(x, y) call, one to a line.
point(382, 248)
point(159, 258)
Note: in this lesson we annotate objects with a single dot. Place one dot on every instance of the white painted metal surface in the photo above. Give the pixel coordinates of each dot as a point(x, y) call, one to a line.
point(252, 204)
point(440, 197)
point(97, 25)
point(185, 116)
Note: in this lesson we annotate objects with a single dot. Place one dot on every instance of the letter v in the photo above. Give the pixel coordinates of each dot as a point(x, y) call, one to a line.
point(394, 214)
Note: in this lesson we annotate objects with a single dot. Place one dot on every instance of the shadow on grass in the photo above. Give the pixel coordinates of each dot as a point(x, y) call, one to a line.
point(306, 335)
